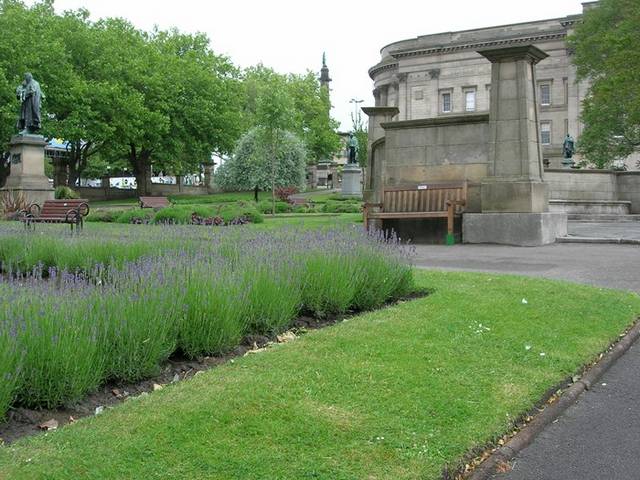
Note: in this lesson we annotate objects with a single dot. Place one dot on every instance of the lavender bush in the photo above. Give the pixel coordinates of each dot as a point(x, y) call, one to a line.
point(135, 298)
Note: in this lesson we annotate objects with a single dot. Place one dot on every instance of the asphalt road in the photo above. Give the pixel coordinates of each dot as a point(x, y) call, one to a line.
point(599, 437)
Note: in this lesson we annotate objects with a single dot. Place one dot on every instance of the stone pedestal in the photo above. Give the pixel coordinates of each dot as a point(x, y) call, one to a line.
point(352, 180)
point(27, 169)
point(514, 199)
point(522, 229)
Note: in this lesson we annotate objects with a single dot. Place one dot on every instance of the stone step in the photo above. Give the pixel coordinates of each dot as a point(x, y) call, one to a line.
point(598, 240)
point(600, 218)
point(595, 207)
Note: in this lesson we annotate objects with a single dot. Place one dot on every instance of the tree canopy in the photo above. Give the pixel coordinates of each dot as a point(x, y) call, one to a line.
point(250, 166)
point(121, 97)
point(309, 103)
point(607, 54)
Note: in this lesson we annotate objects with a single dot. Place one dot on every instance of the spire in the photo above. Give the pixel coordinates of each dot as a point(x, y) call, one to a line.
point(324, 72)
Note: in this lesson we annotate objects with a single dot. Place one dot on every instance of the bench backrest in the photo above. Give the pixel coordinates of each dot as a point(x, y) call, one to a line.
point(154, 202)
point(59, 208)
point(424, 197)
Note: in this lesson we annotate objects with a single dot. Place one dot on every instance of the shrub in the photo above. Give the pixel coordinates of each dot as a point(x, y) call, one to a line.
point(107, 215)
point(63, 192)
point(265, 206)
point(9, 373)
point(136, 215)
point(283, 193)
point(342, 207)
point(180, 288)
point(11, 203)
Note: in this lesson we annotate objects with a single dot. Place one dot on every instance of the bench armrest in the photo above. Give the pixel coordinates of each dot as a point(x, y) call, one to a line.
point(83, 209)
point(456, 202)
point(372, 205)
point(72, 215)
point(31, 211)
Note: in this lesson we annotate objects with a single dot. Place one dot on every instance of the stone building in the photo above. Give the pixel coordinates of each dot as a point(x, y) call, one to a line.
point(488, 108)
point(440, 75)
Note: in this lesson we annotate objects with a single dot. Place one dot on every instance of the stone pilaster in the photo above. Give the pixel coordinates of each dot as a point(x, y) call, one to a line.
point(515, 182)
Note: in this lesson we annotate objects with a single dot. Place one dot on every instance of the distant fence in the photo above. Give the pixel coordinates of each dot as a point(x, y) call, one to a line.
point(155, 190)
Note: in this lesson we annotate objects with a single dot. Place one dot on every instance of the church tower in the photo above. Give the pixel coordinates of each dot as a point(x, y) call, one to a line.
point(324, 73)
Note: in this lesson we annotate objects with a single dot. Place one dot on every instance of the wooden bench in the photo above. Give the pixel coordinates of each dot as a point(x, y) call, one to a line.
point(57, 211)
point(300, 201)
point(444, 200)
point(154, 202)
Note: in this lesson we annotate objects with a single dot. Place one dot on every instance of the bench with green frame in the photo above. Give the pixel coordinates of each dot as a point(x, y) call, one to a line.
point(432, 200)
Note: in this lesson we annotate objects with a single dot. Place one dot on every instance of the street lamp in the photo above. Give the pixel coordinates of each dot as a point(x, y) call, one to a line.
point(355, 107)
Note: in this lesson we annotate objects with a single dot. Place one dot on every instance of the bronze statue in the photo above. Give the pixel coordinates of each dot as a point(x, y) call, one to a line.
point(352, 148)
point(30, 95)
point(568, 149)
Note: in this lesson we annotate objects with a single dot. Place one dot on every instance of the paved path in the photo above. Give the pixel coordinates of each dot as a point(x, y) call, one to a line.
point(615, 266)
point(599, 437)
point(626, 230)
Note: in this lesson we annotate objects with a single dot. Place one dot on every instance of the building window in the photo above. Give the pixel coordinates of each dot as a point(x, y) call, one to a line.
point(545, 94)
point(470, 100)
point(446, 102)
point(545, 133)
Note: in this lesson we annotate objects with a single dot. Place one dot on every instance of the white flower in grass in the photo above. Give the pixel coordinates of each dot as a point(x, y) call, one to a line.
point(524, 301)
point(527, 347)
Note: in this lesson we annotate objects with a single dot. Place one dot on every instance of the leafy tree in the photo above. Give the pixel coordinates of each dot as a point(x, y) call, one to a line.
point(606, 44)
point(251, 166)
point(361, 134)
point(310, 110)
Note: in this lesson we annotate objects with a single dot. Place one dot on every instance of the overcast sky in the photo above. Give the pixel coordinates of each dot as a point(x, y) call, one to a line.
point(290, 35)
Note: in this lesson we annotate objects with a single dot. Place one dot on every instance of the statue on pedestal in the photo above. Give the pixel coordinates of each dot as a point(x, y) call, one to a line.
point(30, 96)
point(568, 149)
point(352, 149)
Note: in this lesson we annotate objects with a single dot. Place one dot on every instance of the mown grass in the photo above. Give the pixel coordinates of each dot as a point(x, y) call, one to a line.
point(394, 394)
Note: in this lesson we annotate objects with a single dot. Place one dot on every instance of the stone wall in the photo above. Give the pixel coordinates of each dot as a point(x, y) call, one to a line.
point(629, 189)
point(584, 185)
point(595, 185)
point(436, 150)
point(156, 190)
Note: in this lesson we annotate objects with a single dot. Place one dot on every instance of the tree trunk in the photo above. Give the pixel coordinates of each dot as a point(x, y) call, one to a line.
point(255, 193)
point(141, 164)
point(59, 172)
point(5, 168)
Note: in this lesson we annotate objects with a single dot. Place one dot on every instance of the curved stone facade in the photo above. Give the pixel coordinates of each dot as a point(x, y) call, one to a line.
point(440, 75)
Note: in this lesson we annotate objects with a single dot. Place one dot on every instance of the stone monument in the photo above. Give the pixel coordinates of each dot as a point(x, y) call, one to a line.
point(568, 149)
point(27, 147)
point(514, 203)
point(352, 173)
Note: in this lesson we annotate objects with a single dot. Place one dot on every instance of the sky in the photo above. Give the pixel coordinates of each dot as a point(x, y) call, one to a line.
point(291, 35)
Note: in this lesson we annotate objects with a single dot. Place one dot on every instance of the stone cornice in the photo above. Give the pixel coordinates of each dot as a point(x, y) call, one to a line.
point(373, 71)
point(372, 111)
point(468, 118)
point(511, 53)
point(560, 34)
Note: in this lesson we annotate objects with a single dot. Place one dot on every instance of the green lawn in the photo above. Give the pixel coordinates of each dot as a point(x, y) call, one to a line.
point(392, 394)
